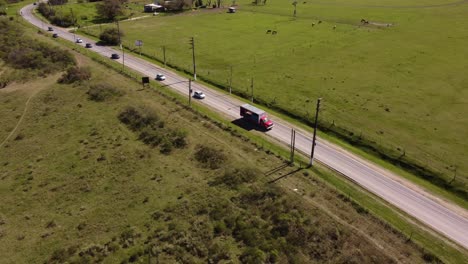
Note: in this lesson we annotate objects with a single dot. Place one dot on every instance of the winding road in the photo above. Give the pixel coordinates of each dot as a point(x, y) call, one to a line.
point(444, 217)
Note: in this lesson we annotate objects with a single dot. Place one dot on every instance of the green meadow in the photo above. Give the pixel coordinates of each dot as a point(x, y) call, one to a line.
point(98, 169)
point(397, 85)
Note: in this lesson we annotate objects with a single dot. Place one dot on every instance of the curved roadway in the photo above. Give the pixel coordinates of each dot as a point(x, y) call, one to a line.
point(443, 217)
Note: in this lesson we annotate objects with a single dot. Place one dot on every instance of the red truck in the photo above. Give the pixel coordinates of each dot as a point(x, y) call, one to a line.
point(254, 115)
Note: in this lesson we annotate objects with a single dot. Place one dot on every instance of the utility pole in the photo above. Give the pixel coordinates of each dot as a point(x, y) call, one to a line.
point(192, 42)
point(230, 81)
point(190, 92)
point(164, 55)
point(293, 146)
point(121, 47)
point(251, 89)
point(315, 133)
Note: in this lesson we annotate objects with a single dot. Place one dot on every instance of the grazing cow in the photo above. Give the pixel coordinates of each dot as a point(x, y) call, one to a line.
point(268, 31)
point(274, 32)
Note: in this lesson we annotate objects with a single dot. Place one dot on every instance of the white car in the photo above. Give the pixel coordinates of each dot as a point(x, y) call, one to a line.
point(160, 77)
point(199, 95)
point(78, 40)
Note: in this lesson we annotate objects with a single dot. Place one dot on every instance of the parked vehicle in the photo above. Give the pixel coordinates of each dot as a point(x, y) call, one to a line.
point(257, 116)
point(50, 29)
point(88, 45)
point(199, 95)
point(115, 56)
point(160, 77)
point(55, 35)
point(78, 40)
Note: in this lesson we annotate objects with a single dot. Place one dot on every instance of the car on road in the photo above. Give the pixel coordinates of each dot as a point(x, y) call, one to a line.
point(88, 45)
point(50, 29)
point(55, 35)
point(78, 40)
point(115, 56)
point(199, 95)
point(160, 77)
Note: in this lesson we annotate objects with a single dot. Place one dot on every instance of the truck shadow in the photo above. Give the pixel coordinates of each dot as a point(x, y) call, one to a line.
point(246, 125)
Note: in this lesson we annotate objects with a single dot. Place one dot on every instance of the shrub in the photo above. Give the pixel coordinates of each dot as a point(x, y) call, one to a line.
point(209, 156)
point(57, 2)
point(235, 176)
point(252, 256)
point(103, 91)
point(151, 136)
point(137, 118)
point(178, 138)
point(75, 74)
point(110, 36)
point(166, 146)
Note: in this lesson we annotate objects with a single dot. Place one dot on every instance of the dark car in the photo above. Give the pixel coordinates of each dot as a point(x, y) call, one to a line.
point(50, 29)
point(88, 45)
point(55, 35)
point(115, 56)
point(160, 77)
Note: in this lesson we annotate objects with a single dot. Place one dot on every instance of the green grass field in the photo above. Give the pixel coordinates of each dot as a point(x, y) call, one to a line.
point(78, 185)
point(401, 88)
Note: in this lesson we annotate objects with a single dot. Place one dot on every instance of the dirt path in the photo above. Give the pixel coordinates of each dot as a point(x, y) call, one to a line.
point(32, 91)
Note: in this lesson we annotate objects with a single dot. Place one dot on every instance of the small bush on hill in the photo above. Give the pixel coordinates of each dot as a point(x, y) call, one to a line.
point(103, 91)
point(233, 177)
point(152, 130)
point(210, 157)
point(75, 74)
point(138, 118)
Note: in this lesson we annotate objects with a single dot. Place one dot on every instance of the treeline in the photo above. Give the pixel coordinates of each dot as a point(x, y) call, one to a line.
point(19, 51)
point(56, 18)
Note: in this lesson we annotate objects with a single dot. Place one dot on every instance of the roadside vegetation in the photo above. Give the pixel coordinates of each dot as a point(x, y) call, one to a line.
point(21, 52)
point(80, 184)
point(398, 97)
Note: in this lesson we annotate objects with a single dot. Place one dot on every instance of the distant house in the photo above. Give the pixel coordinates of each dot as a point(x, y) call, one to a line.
point(150, 8)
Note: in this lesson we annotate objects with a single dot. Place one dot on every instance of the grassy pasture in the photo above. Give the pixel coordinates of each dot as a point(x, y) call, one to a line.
point(402, 88)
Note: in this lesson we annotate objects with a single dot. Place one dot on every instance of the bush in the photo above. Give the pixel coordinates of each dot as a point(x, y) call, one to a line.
point(151, 136)
point(75, 74)
point(235, 176)
point(138, 118)
point(252, 256)
point(178, 138)
point(103, 91)
point(110, 36)
point(57, 2)
point(209, 156)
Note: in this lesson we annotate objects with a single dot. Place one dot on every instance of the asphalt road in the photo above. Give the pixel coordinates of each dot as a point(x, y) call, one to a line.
point(443, 217)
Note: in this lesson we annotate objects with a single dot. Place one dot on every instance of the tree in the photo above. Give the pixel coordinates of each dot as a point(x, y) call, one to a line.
point(110, 9)
point(110, 36)
point(57, 2)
